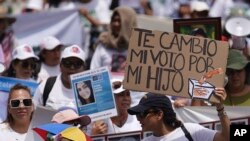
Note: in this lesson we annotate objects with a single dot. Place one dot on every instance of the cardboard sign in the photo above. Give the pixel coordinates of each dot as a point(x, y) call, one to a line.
point(172, 64)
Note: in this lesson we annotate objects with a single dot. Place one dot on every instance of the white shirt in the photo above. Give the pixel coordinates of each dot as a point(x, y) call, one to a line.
point(59, 96)
point(7, 134)
point(132, 124)
point(47, 71)
point(198, 133)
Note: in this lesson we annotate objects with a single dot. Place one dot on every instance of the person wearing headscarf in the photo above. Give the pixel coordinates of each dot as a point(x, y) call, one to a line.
point(112, 46)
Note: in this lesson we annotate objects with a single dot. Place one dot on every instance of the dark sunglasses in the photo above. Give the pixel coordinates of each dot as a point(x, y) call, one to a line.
point(76, 64)
point(25, 64)
point(15, 103)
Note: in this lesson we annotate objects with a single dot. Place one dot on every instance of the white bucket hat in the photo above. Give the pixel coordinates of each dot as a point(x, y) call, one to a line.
point(23, 52)
point(117, 86)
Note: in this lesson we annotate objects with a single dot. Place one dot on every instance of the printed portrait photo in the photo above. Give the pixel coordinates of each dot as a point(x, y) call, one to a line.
point(85, 92)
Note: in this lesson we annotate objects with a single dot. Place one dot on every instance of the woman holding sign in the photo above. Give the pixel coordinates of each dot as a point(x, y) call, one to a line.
point(237, 87)
point(123, 122)
point(155, 113)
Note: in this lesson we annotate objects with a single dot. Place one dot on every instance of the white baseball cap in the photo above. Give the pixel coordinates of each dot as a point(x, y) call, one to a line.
point(117, 86)
point(23, 52)
point(198, 6)
point(49, 43)
point(74, 51)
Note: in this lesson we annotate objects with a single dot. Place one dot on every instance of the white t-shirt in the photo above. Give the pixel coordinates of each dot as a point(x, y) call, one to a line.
point(7, 134)
point(47, 71)
point(198, 133)
point(132, 124)
point(59, 95)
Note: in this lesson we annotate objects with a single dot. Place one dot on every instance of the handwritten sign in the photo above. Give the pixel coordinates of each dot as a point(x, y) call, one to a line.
point(162, 62)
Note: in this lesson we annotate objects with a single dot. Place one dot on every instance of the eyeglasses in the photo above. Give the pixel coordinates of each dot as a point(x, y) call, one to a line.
point(76, 64)
point(15, 103)
point(25, 64)
point(144, 114)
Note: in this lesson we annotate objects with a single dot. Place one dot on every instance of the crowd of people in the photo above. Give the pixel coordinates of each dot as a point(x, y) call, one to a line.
point(56, 61)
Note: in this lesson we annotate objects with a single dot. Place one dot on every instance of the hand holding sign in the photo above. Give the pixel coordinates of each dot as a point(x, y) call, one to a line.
point(210, 74)
point(171, 64)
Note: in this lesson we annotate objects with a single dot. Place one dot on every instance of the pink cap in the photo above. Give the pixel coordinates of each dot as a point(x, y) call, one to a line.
point(23, 52)
point(70, 115)
point(49, 43)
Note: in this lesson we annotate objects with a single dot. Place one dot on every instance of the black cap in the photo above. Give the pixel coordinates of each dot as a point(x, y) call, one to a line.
point(151, 100)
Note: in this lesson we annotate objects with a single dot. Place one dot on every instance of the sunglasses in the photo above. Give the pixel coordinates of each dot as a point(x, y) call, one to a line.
point(76, 64)
point(26, 64)
point(15, 103)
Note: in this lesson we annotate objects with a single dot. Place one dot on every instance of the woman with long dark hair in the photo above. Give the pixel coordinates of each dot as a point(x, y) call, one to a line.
point(155, 113)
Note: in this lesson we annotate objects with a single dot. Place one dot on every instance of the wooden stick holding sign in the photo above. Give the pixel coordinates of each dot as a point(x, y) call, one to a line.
point(172, 64)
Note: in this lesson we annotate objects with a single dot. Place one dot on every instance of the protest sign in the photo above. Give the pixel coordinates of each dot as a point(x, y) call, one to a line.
point(5, 84)
point(93, 93)
point(175, 64)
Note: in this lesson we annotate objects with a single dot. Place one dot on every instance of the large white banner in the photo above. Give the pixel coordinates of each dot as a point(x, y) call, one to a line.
point(65, 25)
point(203, 114)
